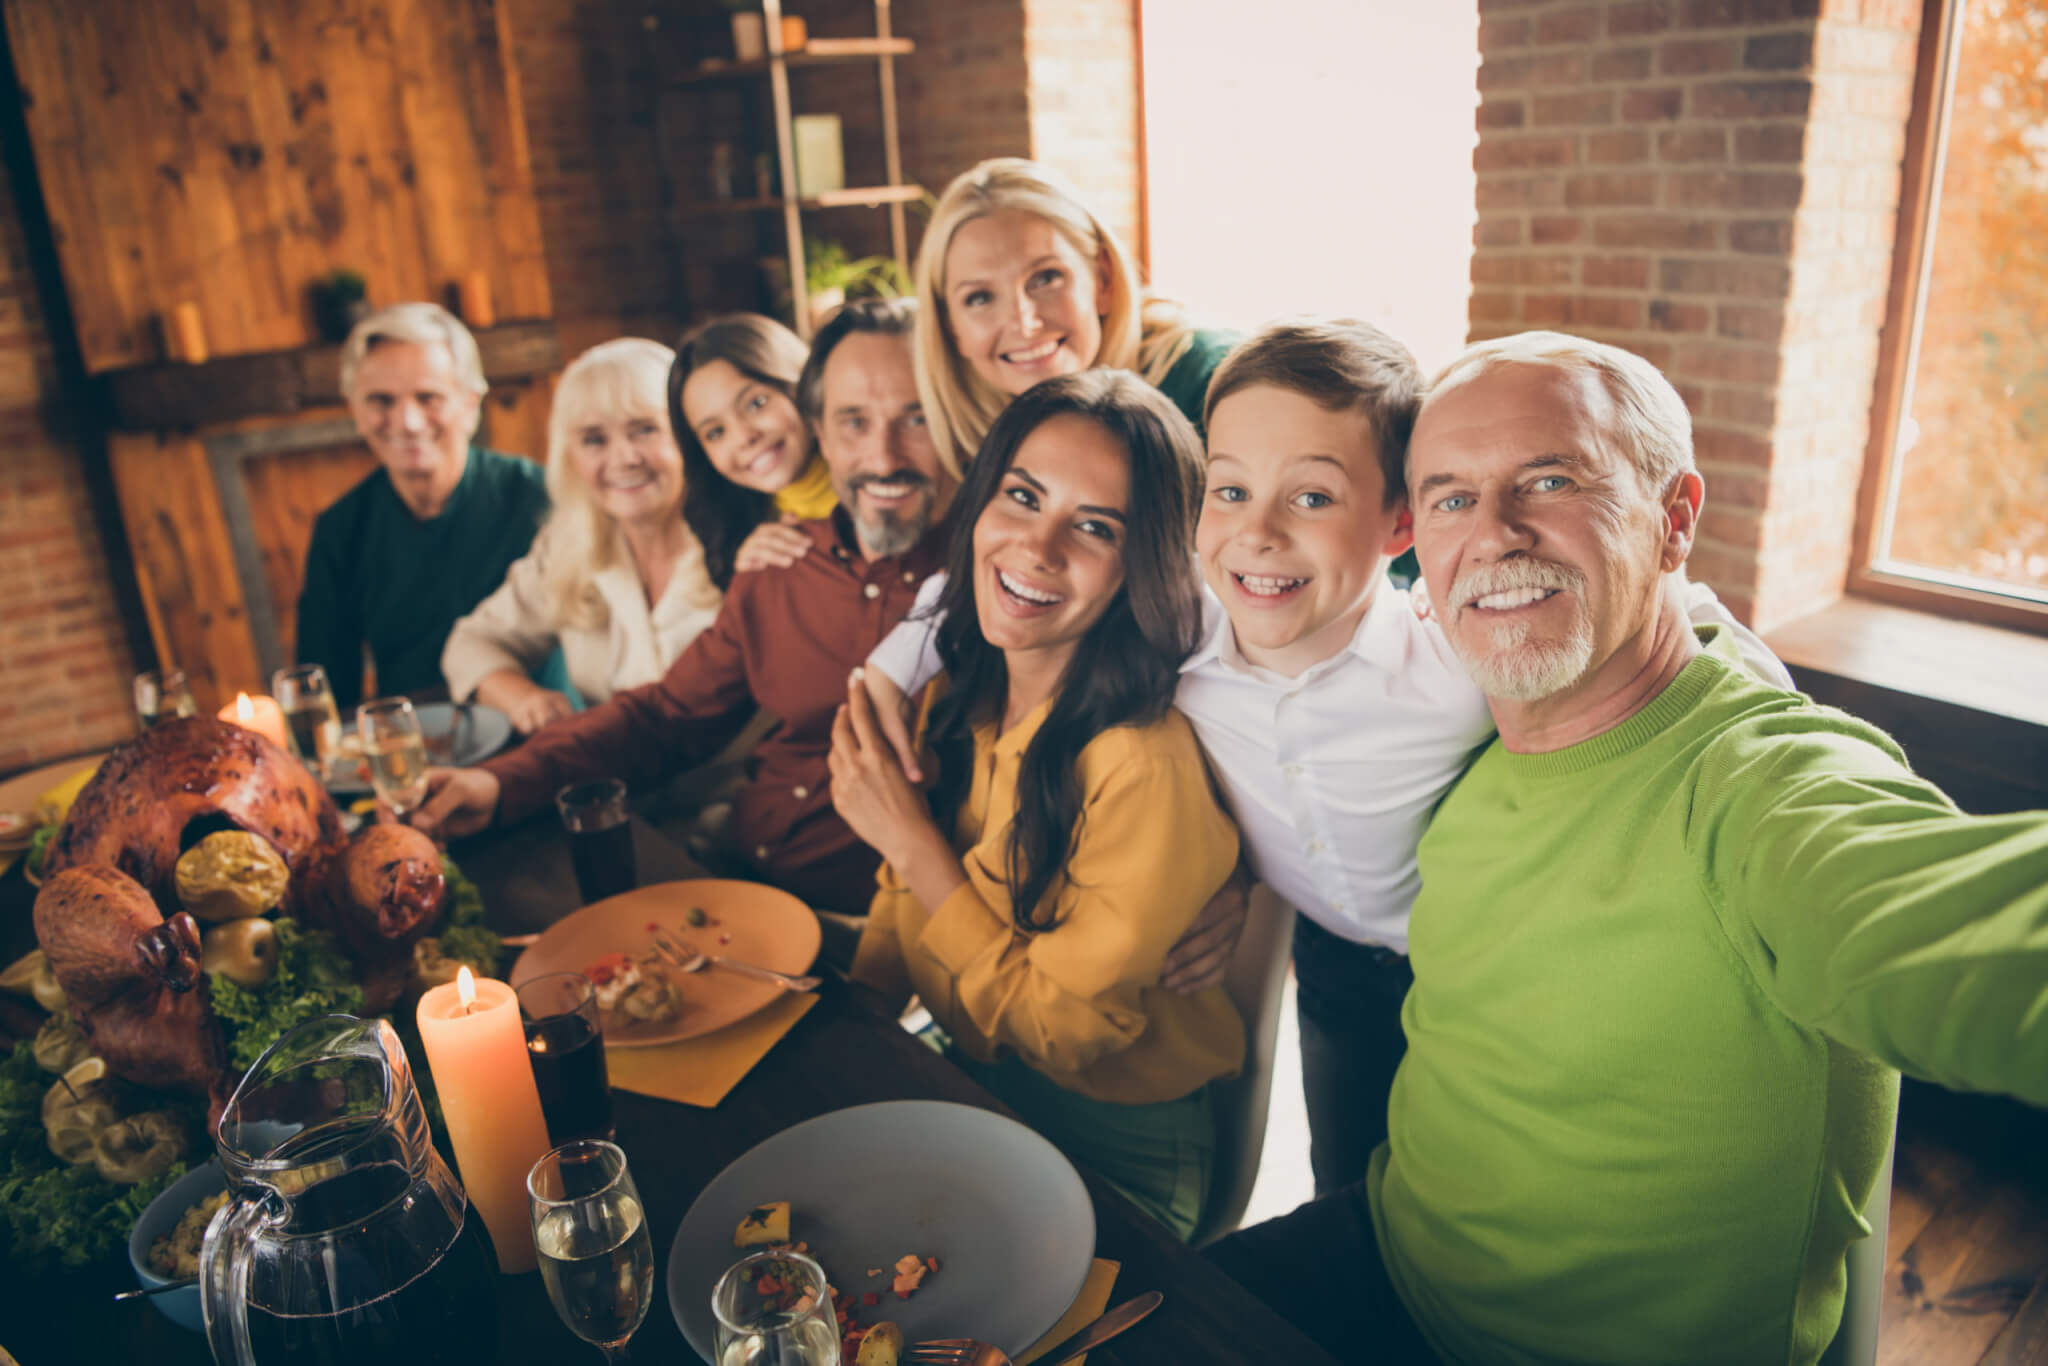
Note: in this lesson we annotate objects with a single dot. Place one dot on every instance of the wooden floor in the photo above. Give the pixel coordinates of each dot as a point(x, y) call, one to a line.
point(1967, 1282)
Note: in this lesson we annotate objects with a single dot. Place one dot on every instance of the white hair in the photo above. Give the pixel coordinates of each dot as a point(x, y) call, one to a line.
point(1651, 424)
point(421, 324)
point(623, 378)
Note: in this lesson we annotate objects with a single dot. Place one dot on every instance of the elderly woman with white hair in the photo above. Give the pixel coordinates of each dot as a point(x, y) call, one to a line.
point(399, 557)
point(616, 578)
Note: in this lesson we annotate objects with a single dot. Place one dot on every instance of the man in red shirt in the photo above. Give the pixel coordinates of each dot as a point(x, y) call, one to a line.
point(785, 639)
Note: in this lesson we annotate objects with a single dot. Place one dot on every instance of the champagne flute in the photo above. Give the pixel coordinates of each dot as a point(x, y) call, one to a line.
point(790, 1324)
point(163, 695)
point(311, 719)
point(596, 1258)
point(396, 751)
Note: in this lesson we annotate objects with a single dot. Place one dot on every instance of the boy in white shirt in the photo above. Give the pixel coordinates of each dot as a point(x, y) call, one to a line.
point(1333, 716)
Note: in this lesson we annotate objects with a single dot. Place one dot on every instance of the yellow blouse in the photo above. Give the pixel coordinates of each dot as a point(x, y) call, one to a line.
point(1081, 1003)
point(810, 495)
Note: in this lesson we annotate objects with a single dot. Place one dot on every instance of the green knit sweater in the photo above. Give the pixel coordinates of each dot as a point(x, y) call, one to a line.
point(1661, 981)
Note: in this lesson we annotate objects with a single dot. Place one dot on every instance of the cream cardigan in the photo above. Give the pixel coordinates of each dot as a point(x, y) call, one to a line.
point(514, 628)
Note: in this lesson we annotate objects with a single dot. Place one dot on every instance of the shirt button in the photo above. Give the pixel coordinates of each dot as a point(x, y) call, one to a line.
point(760, 851)
point(1293, 770)
point(909, 577)
point(801, 792)
point(872, 590)
point(1315, 846)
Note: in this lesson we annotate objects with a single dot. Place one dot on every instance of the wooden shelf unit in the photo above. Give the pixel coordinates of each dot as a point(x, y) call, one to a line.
point(882, 50)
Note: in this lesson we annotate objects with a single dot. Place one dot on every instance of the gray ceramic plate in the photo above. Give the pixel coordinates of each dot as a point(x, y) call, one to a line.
point(1003, 1211)
point(456, 737)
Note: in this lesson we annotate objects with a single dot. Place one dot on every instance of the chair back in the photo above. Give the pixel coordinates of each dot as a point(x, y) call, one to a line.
point(1254, 981)
point(1855, 1341)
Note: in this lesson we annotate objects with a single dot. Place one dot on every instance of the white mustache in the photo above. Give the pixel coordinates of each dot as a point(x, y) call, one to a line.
point(1509, 575)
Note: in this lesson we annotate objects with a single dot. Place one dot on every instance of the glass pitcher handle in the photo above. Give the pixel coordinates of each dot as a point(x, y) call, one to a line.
point(224, 1262)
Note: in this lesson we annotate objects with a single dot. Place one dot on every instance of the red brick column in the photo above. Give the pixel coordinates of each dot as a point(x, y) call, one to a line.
point(1712, 184)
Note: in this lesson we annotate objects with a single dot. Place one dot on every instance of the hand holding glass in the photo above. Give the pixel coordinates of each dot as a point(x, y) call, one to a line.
point(396, 751)
point(596, 1258)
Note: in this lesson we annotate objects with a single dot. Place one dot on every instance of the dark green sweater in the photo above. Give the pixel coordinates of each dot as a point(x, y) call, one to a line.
point(378, 576)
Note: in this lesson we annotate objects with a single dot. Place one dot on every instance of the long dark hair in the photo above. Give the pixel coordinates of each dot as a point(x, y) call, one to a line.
point(719, 511)
point(1123, 670)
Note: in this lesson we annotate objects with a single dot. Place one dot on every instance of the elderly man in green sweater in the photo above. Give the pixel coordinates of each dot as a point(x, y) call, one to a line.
point(1679, 931)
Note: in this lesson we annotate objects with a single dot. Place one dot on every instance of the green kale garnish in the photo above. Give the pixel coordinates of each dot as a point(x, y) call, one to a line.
point(313, 978)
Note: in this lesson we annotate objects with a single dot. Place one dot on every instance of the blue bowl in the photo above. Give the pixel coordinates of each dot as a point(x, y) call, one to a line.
point(181, 1307)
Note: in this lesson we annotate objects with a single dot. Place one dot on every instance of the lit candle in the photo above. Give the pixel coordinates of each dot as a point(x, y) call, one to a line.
point(260, 714)
point(473, 293)
point(476, 1050)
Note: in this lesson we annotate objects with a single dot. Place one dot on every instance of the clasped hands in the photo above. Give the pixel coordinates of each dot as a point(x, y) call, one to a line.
point(876, 788)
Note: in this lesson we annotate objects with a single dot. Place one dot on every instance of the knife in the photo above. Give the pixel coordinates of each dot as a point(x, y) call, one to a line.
point(1103, 1329)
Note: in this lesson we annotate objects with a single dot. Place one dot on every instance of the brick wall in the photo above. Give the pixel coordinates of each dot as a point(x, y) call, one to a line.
point(1083, 61)
point(1712, 184)
point(64, 661)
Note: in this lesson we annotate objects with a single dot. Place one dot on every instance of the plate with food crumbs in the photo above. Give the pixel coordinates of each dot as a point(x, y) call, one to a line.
point(643, 997)
point(946, 1220)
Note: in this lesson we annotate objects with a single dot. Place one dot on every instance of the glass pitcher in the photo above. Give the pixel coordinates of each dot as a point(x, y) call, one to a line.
point(345, 1238)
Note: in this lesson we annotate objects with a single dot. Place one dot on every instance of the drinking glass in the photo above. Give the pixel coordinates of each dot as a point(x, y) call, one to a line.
point(566, 1044)
point(790, 1324)
point(163, 695)
point(311, 719)
point(396, 751)
point(596, 1258)
point(600, 840)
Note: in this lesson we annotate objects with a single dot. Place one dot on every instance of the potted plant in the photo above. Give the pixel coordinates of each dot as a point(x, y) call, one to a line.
point(340, 301)
point(832, 277)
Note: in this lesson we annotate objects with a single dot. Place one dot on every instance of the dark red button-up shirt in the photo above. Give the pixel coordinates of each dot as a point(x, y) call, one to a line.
point(785, 640)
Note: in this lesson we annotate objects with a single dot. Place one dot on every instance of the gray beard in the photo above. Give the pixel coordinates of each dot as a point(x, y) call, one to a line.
point(892, 533)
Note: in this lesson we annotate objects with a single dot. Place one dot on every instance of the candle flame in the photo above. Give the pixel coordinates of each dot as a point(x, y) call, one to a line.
point(465, 987)
point(245, 714)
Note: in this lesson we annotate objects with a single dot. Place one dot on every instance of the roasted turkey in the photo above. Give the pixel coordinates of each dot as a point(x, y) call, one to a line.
point(108, 917)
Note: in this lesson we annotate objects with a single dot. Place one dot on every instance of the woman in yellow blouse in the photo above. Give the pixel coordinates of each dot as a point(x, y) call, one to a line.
point(1071, 834)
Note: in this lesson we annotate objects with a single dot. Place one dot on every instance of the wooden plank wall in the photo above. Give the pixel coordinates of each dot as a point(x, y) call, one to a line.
point(229, 152)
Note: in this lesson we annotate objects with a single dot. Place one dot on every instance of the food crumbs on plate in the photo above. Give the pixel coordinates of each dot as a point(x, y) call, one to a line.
point(725, 938)
point(871, 1299)
point(874, 1273)
point(695, 915)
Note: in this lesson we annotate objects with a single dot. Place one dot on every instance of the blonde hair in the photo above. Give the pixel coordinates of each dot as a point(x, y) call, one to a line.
point(1651, 423)
point(627, 377)
point(422, 325)
point(1140, 331)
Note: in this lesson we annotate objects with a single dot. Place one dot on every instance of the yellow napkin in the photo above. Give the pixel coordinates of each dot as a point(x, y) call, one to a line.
point(55, 805)
point(1086, 1308)
point(700, 1071)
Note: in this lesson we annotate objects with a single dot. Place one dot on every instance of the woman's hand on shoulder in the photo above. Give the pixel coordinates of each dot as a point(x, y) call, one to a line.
point(772, 545)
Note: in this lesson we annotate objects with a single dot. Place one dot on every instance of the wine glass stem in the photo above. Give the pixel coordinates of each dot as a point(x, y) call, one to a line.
point(613, 1354)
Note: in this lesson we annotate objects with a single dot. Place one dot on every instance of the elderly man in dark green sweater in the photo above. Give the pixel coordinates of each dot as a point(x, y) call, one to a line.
point(1679, 932)
point(418, 544)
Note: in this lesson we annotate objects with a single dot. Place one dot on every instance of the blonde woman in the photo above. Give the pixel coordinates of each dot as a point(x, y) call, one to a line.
point(616, 578)
point(1018, 281)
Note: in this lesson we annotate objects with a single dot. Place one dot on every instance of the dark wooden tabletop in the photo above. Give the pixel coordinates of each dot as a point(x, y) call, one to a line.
point(840, 1054)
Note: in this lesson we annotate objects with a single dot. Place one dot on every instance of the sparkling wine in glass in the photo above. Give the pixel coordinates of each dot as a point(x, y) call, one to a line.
point(596, 1258)
point(163, 695)
point(789, 1324)
point(311, 719)
point(396, 751)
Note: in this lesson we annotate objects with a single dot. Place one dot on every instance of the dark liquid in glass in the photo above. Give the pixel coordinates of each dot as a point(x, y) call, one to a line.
point(568, 1067)
point(604, 861)
point(446, 1314)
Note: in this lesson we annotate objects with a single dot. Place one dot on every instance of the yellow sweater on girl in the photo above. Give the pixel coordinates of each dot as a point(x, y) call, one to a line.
point(1080, 1003)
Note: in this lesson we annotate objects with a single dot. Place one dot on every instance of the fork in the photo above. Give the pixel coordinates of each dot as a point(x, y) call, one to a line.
point(973, 1352)
point(685, 961)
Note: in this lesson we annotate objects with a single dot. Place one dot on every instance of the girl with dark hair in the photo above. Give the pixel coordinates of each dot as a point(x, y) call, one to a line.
point(1071, 834)
point(749, 461)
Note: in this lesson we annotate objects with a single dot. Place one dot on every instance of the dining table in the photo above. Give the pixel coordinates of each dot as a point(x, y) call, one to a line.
point(843, 1052)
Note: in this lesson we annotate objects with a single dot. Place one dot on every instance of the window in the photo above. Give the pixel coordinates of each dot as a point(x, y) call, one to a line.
point(1956, 515)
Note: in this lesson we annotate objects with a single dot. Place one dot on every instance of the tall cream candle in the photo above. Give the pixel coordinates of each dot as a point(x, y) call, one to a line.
point(476, 1051)
point(260, 714)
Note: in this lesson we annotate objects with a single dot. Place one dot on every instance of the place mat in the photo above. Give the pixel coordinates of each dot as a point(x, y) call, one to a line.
point(700, 1071)
point(1086, 1308)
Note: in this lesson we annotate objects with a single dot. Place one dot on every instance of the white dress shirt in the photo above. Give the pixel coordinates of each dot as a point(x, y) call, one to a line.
point(1334, 775)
